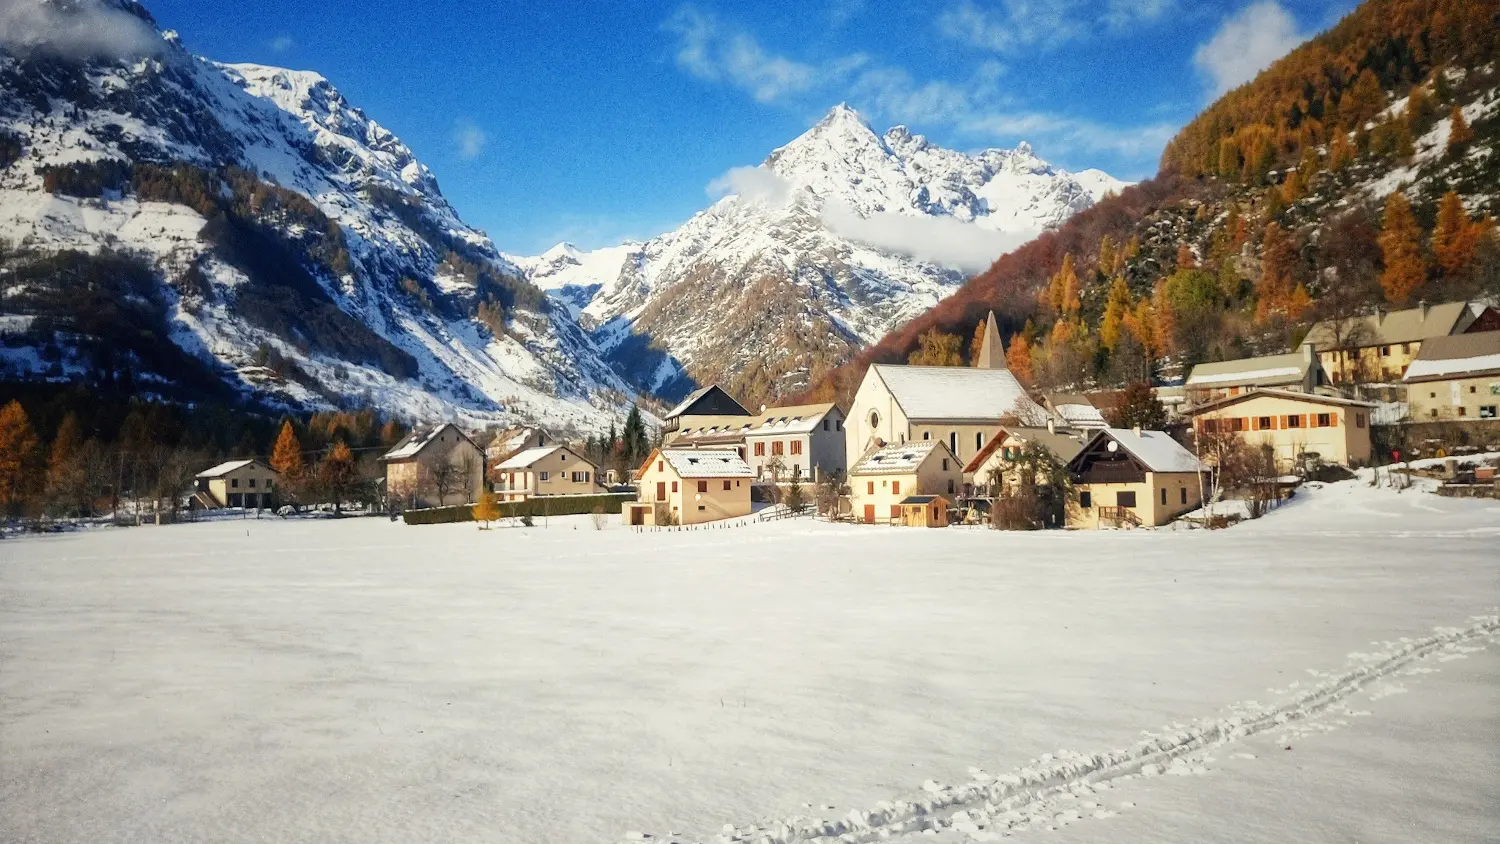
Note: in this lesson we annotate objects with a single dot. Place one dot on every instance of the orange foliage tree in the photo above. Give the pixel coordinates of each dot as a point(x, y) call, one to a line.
point(1401, 250)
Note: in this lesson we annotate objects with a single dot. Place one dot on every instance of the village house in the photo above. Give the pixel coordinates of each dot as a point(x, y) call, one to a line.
point(886, 476)
point(1075, 410)
point(1456, 379)
point(236, 483)
point(1128, 478)
point(1379, 347)
point(1000, 453)
point(434, 466)
point(513, 441)
point(962, 407)
point(546, 471)
point(1293, 424)
point(710, 401)
point(690, 486)
point(807, 436)
point(929, 511)
point(1300, 371)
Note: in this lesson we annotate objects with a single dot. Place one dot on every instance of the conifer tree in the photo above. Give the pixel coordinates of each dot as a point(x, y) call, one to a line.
point(1401, 250)
point(1185, 258)
point(1018, 356)
point(1340, 152)
point(1460, 135)
point(634, 437)
point(1064, 289)
point(336, 474)
point(20, 458)
point(390, 432)
point(976, 344)
point(937, 348)
point(1116, 307)
point(286, 456)
point(65, 466)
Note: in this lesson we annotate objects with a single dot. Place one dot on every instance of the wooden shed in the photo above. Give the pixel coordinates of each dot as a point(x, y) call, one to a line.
point(924, 511)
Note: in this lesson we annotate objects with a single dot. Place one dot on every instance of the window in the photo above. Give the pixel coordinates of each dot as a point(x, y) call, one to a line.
point(674, 485)
point(1406, 349)
point(1293, 421)
point(252, 483)
point(874, 419)
point(1263, 423)
point(1237, 423)
point(726, 486)
point(658, 465)
point(825, 424)
point(1473, 389)
point(1385, 351)
point(1125, 499)
point(953, 441)
point(978, 441)
point(776, 447)
point(945, 464)
point(703, 486)
point(545, 475)
point(926, 435)
point(950, 486)
point(1184, 494)
point(564, 457)
point(1463, 411)
point(760, 449)
point(234, 483)
point(1487, 411)
point(1325, 420)
point(796, 446)
point(701, 508)
point(895, 487)
point(269, 481)
point(871, 489)
point(1085, 499)
point(838, 424)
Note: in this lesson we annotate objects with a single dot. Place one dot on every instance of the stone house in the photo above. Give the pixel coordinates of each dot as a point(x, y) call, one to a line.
point(1456, 379)
point(434, 466)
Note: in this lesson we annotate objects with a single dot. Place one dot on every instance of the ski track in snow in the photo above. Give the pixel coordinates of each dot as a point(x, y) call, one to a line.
point(1053, 790)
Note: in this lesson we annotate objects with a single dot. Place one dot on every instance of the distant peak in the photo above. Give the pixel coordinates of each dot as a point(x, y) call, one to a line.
point(561, 250)
point(1024, 148)
point(842, 115)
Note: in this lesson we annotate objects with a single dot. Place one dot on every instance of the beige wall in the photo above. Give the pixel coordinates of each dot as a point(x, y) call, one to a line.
point(560, 467)
point(884, 492)
point(894, 427)
point(1344, 440)
point(1372, 363)
point(411, 483)
point(248, 486)
point(1465, 399)
point(687, 502)
point(1148, 499)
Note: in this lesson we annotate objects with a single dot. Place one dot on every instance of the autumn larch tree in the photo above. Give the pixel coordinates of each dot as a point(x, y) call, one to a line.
point(937, 349)
point(286, 456)
point(1456, 239)
point(336, 474)
point(1401, 250)
point(486, 510)
point(20, 459)
point(66, 475)
point(1018, 356)
point(1460, 134)
point(976, 345)
point(1116, 307)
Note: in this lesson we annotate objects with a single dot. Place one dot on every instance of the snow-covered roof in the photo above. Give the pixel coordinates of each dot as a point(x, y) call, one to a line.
point(509, 441)
point(930, 393)
point(523, 459)
point(1080, 415)
point(1293, 395)
point(418, 439)
point(706, 463)
point(225, 468)
point(1459, 356)
point(1262, 371)
point(797, 419)
point(1155, 449)
point(898, 459)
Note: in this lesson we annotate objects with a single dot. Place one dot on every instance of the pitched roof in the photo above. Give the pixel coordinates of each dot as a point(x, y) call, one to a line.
point(898, 459)
point(923, 499)
point(1404, 326)
point(1294, 395)
point(529, 457)
point(698, 395)
point(706, 463)
point(1063, 442)
point(226, 467)
point(420, 438)
point(1076, 409)
point(928, 393)
point(794, 419)
point(509, 441)
point(1269, 370)
point(1458, 356)
point(1156, 450)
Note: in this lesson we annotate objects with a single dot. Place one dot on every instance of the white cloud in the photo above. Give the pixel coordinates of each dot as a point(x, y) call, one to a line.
point(469, 138)
point(939, 240)
point(1246, 44)
point(752, 184)
point(84, 30)
point(282, 43)
point(708, 52)
point(1011, 25)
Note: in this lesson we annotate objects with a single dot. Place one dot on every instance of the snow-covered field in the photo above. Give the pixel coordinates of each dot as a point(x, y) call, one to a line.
point(1328, 673)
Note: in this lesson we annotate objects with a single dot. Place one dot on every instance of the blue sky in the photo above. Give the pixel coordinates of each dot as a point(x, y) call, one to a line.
point(593, 122)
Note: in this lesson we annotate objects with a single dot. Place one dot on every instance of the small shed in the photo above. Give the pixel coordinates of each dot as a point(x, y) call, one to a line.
point(924, 511)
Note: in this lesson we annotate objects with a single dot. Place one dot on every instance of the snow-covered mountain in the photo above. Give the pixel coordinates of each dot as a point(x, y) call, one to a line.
point(273, 240)
point(835, 239)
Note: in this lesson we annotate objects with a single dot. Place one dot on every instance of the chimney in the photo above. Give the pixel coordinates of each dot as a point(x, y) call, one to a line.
point(1422, 304)
point(1310, 367)
point(1051, 424)
point(1136, 430)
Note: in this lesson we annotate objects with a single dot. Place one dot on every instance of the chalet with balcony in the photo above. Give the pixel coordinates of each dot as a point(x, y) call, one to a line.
point(1132, 478)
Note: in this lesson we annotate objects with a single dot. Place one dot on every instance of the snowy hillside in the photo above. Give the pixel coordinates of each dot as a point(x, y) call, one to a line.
point(290, 247)
point(835, 239)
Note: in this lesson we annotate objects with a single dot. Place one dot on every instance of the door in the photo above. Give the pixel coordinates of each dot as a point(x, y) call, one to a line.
point(661, 490)
point(638, 516)
point(869, 514)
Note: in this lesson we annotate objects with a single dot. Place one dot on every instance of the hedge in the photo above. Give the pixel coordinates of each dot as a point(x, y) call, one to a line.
point(566, 505)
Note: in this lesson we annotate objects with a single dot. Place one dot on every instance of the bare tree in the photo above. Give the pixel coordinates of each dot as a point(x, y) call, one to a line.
point(447, 478)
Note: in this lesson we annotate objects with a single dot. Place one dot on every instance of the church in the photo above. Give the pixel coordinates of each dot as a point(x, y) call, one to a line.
point(962, 407)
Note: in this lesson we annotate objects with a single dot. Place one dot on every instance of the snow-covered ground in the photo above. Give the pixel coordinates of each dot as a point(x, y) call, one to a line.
point(360, 680)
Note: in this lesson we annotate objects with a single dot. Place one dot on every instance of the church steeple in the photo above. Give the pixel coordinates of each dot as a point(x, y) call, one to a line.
point(992, 353)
